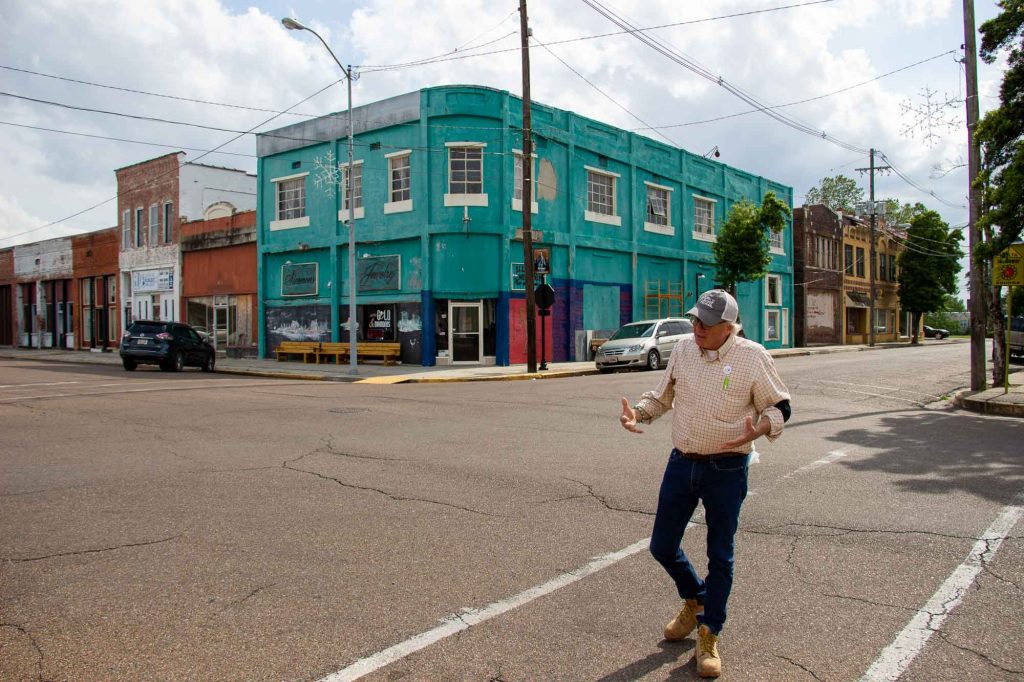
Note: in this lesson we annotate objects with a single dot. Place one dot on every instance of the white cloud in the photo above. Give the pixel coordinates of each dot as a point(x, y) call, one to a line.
point(205, 50)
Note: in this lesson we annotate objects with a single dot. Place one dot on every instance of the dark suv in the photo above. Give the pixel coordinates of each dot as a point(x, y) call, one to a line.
point(172, 345)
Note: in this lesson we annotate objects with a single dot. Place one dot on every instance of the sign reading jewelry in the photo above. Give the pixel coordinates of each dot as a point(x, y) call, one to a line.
point(380, 273)
point(299, 279)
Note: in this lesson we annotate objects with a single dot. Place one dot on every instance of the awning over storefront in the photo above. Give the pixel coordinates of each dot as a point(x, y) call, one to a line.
point(857, 299)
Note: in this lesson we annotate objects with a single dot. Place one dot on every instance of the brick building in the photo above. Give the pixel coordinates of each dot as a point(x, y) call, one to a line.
point(818, 275)
point(8, 320)
point(219, 280)
point(95, 270)
point(154, 197)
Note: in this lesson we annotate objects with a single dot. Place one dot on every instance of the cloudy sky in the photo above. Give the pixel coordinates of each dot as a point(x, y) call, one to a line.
point(869, 73)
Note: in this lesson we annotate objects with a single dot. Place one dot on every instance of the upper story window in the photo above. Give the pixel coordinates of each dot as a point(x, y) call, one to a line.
point(860, 262)
point(892, 267)
point(126, 229)
point(168, 221)
point(703, 218)
point(139, 227)
point(154, 224)
point(357, 191)
point(775, 244)
point(848, 258)
point(822, 252)
point(399, 182)
point(465, 174)
point(659, 211)
point(289, 202)
point(602, 204)
point(883, 270)
point(517, 182)
point(773, 290)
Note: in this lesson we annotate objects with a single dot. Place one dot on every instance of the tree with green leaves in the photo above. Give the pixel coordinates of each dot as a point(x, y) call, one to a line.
point(1001, 179)
point(901, 214)
point(839, 193)
point(742, 245)
point(928, 267)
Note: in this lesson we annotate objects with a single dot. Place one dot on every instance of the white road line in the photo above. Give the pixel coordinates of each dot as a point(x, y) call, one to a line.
point(879, 388)
point(896, 658)
point(47, 383)
point(469, 617)
point(181, 386)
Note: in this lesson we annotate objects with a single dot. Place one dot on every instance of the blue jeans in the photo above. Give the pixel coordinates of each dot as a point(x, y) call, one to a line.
point(722, 486)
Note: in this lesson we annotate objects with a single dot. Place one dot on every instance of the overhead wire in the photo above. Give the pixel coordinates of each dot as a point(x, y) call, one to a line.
point(152, 180)
point(694, 67)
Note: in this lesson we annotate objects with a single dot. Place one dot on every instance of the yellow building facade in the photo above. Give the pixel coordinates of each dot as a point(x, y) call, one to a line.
point(891, 324)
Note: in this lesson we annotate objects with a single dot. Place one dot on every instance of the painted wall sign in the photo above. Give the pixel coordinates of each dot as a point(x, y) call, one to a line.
point(518, 282)
point(153, 280)
point(379, 273)
point(299, 279)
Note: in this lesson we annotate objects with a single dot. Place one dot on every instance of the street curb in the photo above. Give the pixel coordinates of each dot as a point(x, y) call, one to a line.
point(964, 400)
point(502, 377)
point(273, 375)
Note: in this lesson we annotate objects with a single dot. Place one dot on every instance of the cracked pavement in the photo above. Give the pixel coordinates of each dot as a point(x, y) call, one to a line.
point(220, 532)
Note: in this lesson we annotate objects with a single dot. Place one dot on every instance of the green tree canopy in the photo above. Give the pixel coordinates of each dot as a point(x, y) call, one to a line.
point(1001, 132)
point(928, 265)
point(742, 245)
point(839, 193)
point(902, 214)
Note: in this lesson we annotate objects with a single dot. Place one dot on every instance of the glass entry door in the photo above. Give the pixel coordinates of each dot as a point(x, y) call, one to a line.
point(465, 335)
point(221, 322)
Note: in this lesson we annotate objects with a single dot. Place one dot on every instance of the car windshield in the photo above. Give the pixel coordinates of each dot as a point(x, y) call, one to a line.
point(147, 328)
point(637, 330)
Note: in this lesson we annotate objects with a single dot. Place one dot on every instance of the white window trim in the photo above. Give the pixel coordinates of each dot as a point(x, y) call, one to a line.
point(155, 229)
point(393, 207)
point(785, 326)
point(517, 204)
point(398, 206)
point(780, 250)
point(613, 219)
point(167, 217)
point(291, 223)
point(704, 236)
point(778, 327)
point(465, 199)
point(670, 229)
point(360, 213)
point(360, 210)
point(768, 287)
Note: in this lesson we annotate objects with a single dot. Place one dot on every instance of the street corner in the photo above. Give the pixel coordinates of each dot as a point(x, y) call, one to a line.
point(993, 401)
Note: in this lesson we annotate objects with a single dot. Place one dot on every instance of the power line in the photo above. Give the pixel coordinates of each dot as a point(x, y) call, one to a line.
point(916, 186)
point(609, 97)
point(154, 94)
point(696, 68)
point(121, 139)
point(366, 68)
point(161, 175)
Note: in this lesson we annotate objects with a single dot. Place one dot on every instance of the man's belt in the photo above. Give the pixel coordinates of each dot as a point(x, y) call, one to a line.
point(700, 457)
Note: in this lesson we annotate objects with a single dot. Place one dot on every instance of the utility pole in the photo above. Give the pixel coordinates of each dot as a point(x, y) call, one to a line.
point(531, 303)
point(976, 302)
point(873, 208)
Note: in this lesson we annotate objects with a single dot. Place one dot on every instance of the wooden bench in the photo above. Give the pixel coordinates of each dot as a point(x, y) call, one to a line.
point(335, 349)
point(388, 352)
point(306, 349)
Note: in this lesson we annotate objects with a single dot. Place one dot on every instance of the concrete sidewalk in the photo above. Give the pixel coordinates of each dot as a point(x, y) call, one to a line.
point(991, 401)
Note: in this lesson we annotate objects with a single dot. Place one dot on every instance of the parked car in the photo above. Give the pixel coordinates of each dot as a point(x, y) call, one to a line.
point(933, 333)
point(171, 345)
point(647, 344)
point(1017, 336)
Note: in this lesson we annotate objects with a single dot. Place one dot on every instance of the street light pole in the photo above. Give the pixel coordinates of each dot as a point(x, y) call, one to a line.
point(293, 25)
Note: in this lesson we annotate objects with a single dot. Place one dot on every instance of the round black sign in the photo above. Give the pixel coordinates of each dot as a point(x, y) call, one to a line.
point(544, 295)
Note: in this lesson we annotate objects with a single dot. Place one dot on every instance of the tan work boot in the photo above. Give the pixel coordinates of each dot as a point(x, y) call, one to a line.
point(709, 664)
point(685, 622)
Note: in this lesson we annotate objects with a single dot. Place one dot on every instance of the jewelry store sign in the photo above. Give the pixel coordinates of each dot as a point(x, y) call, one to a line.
point(380, 273)
point(161, 279)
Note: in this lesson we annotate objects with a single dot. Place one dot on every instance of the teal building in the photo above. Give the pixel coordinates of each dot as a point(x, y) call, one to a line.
point(623, 223)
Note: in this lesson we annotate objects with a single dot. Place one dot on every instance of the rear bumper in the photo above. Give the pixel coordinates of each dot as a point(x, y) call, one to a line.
point(146, 357)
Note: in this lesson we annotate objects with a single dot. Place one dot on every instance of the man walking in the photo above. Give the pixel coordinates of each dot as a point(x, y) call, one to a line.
point(726, 394)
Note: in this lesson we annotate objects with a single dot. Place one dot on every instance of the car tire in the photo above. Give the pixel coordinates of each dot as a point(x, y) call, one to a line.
point(653, 360)
point(178, 362)
point(209, 363)
point(129, 365)
point(939, 336)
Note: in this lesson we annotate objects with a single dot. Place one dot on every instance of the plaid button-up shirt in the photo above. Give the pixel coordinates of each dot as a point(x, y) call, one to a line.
point(714, 392)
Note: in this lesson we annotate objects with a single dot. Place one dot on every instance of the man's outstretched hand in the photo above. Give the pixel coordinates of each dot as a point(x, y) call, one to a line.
point(750, 433)
point(628, 418)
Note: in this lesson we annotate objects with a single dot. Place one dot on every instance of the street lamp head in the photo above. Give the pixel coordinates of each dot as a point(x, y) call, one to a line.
point(700, 275)
point(292, 25)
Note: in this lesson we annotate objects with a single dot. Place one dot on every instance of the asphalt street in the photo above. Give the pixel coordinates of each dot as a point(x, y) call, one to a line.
point(186, 526)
